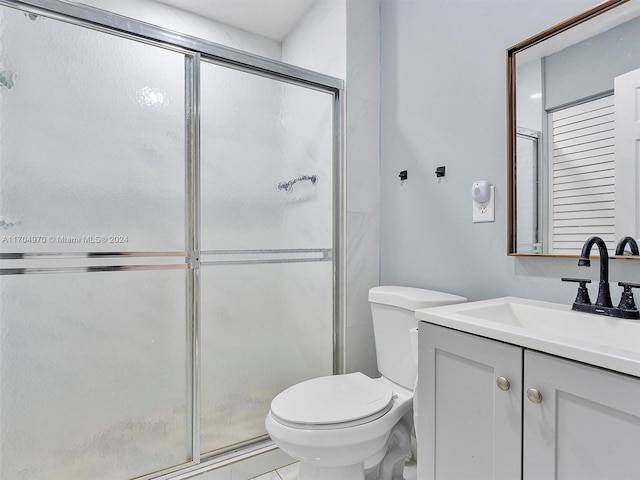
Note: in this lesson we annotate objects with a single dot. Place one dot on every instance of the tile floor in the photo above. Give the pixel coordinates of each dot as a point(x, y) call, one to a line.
point(290, 472)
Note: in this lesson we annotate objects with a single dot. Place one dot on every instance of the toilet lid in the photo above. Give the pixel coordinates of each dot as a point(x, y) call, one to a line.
point(349, 399)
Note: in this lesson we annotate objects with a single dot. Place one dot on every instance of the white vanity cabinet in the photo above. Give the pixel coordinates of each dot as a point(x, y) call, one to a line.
point(477, 418)
point(587, 425)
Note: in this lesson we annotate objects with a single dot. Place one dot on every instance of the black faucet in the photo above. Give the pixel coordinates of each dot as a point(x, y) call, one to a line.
point(633, 245)
point(603, 306)
point(604, 294)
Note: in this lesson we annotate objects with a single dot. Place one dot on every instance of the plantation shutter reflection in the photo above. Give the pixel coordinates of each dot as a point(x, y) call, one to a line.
point(582, 173)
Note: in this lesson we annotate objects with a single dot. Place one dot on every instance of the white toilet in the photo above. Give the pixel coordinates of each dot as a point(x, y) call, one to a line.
point(352, 427)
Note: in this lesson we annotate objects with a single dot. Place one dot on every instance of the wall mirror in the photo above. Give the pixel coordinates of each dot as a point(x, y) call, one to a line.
point(573, 99)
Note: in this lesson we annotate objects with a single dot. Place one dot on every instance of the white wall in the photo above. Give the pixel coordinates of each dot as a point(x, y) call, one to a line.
point(318, 41)
point(443, 103)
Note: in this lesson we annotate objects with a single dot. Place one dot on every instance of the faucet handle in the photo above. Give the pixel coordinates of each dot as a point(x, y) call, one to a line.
point(582, 298)
point(626, 300)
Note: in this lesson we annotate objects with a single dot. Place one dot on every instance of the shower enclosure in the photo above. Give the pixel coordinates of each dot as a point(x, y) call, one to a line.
point(170, 239)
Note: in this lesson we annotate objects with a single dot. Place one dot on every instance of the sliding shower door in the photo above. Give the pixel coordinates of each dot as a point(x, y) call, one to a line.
point(94, 331)
point(266, 239)
point(167, 242)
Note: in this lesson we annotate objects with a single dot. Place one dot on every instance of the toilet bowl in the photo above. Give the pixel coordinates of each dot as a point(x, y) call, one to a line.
point(353, 427)
point(350, 433)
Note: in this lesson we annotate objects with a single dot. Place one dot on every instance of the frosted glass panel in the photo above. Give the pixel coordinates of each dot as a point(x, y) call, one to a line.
point(92, 139)
point(264, 328)
point(266, 185)
point(96, 369)
point(266, 163)
point(93, 375)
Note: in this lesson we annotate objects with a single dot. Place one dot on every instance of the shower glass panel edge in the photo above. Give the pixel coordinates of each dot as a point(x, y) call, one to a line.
point(192, 241)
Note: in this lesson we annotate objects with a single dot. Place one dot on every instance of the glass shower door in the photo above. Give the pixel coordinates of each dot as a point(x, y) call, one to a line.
point(93, 312)
point(266, 242)
point(167, 240)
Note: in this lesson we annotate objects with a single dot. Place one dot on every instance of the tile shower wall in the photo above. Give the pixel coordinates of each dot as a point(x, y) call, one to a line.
point(341, 38)
point(363, 179)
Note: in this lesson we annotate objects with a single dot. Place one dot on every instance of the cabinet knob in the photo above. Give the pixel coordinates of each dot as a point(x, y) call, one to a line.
point(503, 384)
point(534, 395)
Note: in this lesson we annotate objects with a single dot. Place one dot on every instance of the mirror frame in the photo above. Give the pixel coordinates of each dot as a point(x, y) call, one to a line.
point(511, 113)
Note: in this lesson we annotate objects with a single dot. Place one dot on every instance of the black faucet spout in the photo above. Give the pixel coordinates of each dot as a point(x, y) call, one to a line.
point(633, 245)
point(604, 293)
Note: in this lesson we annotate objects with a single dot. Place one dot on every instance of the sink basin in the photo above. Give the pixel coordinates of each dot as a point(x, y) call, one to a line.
point(561, 321)
point(549, 327)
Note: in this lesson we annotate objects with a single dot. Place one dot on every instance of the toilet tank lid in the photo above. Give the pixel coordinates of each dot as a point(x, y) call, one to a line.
point(411, 298)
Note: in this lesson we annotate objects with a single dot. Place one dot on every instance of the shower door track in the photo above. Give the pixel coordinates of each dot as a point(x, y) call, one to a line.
point(197, 50)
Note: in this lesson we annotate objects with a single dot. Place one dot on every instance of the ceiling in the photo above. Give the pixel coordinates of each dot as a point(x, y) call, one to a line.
point(270, 18)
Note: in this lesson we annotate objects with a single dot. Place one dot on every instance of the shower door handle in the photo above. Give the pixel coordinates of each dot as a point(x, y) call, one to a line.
point(288, 186)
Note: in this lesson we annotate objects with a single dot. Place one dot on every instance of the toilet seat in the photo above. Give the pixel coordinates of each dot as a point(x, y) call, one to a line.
point(336, 401)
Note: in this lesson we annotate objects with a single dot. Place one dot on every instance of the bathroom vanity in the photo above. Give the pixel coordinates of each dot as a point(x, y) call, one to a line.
point(512, 388)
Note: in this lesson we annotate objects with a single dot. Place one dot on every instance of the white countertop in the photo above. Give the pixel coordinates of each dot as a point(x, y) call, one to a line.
point(552, 328)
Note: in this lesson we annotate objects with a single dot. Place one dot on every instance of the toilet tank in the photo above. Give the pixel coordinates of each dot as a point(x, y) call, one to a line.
point(393, 310)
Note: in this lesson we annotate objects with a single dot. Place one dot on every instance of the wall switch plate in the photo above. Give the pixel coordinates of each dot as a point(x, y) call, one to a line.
point(485, 212)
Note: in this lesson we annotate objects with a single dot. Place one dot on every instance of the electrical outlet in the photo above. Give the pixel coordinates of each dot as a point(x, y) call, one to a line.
point(486, 211)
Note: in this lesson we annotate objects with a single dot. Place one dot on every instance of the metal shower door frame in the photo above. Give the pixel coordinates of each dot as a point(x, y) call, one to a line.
point(195, 51)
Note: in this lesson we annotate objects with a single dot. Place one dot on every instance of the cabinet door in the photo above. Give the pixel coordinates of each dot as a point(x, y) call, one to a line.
point(587, 425)
point(467, 427)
